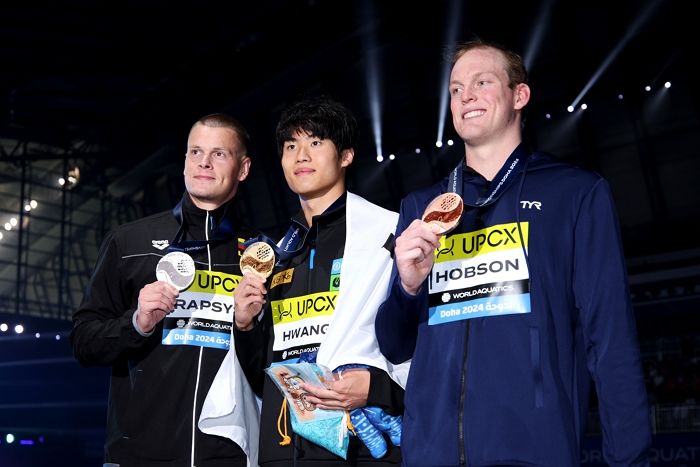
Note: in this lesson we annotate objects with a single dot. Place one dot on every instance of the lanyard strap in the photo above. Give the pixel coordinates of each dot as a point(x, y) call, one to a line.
point(296, 238)
point(501, 181)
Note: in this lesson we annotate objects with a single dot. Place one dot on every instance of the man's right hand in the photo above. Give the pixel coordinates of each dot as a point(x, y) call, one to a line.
point(248, 298)
point(156, 301)
point(414, 253)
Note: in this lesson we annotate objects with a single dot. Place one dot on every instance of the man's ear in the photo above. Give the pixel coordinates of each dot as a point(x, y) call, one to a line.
point(346, 157)
point(522, 96)
point(244, 168)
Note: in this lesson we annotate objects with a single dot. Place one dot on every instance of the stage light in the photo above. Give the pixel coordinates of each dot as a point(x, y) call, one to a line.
point(13, 221)
point(58, 337)
point(570, 108)
point(391, 157)
point(667, 84)
point(380, 158)
point(584, 106)
point(9, 438)
point(37, 335)
point(438, 144)
point(0, 235)
point(620, 96)
point(19, 329)
point(647, 88)
point(450, 142)
point(33, 204)
point(417, 150)
point(4, 327)
point(27, 207)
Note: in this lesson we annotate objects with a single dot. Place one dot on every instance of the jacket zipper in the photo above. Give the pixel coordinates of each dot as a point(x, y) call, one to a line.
point(462, 393)
point(208, 225)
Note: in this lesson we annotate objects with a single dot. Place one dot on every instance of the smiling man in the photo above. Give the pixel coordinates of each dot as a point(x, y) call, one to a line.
point(165, 352)
point(508, 316)
point(333, 268)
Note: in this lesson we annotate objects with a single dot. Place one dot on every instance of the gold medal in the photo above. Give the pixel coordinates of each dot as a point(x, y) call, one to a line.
point(258, 259)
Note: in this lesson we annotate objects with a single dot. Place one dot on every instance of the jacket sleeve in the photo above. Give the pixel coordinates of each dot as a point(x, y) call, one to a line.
point(251, 350)
point(602, 297)
point(396, 324)
point(102, 325)
point(384, 392)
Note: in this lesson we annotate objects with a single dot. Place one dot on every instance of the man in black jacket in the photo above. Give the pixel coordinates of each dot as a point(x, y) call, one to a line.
point(320, 305)
point(166, 343)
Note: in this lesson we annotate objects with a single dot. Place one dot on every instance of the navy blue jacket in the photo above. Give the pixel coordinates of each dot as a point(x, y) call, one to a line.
point(513, 389)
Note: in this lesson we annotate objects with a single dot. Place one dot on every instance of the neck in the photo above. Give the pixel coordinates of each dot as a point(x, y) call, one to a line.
point(206, 205)
point(317, 205)
point(487, 160)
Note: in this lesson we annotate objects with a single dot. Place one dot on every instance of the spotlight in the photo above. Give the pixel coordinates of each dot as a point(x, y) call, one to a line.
point(570, 108)
point(8, 226)
point(19, 329)
point(584, 106)
point(380, 158)
point(438, 144)
point(61, 181)
point(647, 88)
point(450, 142)
point(391, 157)
point(10, 438)
point(33, 204)
point(620, 96)
point(13, 221)
point(4, 327)
point(417, 150)
point(548, 116)
point(667, 84)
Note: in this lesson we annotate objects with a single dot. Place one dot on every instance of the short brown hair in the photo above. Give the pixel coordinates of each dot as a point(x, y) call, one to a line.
point(221, 120)
point(515, 68)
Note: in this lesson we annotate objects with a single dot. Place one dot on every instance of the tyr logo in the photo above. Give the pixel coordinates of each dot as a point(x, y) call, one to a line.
point(531, 204)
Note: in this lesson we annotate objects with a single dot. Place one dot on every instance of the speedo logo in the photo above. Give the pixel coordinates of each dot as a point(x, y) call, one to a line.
point(306, 306)
point(491, 239)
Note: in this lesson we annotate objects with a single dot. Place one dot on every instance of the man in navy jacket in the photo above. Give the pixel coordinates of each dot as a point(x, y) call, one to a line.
point(507, 317)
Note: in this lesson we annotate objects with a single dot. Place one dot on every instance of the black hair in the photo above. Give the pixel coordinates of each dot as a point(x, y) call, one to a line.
point(319, 116)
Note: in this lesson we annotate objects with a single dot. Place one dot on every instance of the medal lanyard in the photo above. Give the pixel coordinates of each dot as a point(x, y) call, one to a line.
point(292, 243)
point(501, 181)
point(223, 231)
point(296, 238)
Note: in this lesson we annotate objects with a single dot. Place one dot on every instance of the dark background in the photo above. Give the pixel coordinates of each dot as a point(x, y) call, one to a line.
point(113, 87)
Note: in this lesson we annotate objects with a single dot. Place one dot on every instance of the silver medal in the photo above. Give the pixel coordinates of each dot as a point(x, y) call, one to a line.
point(176, 268)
